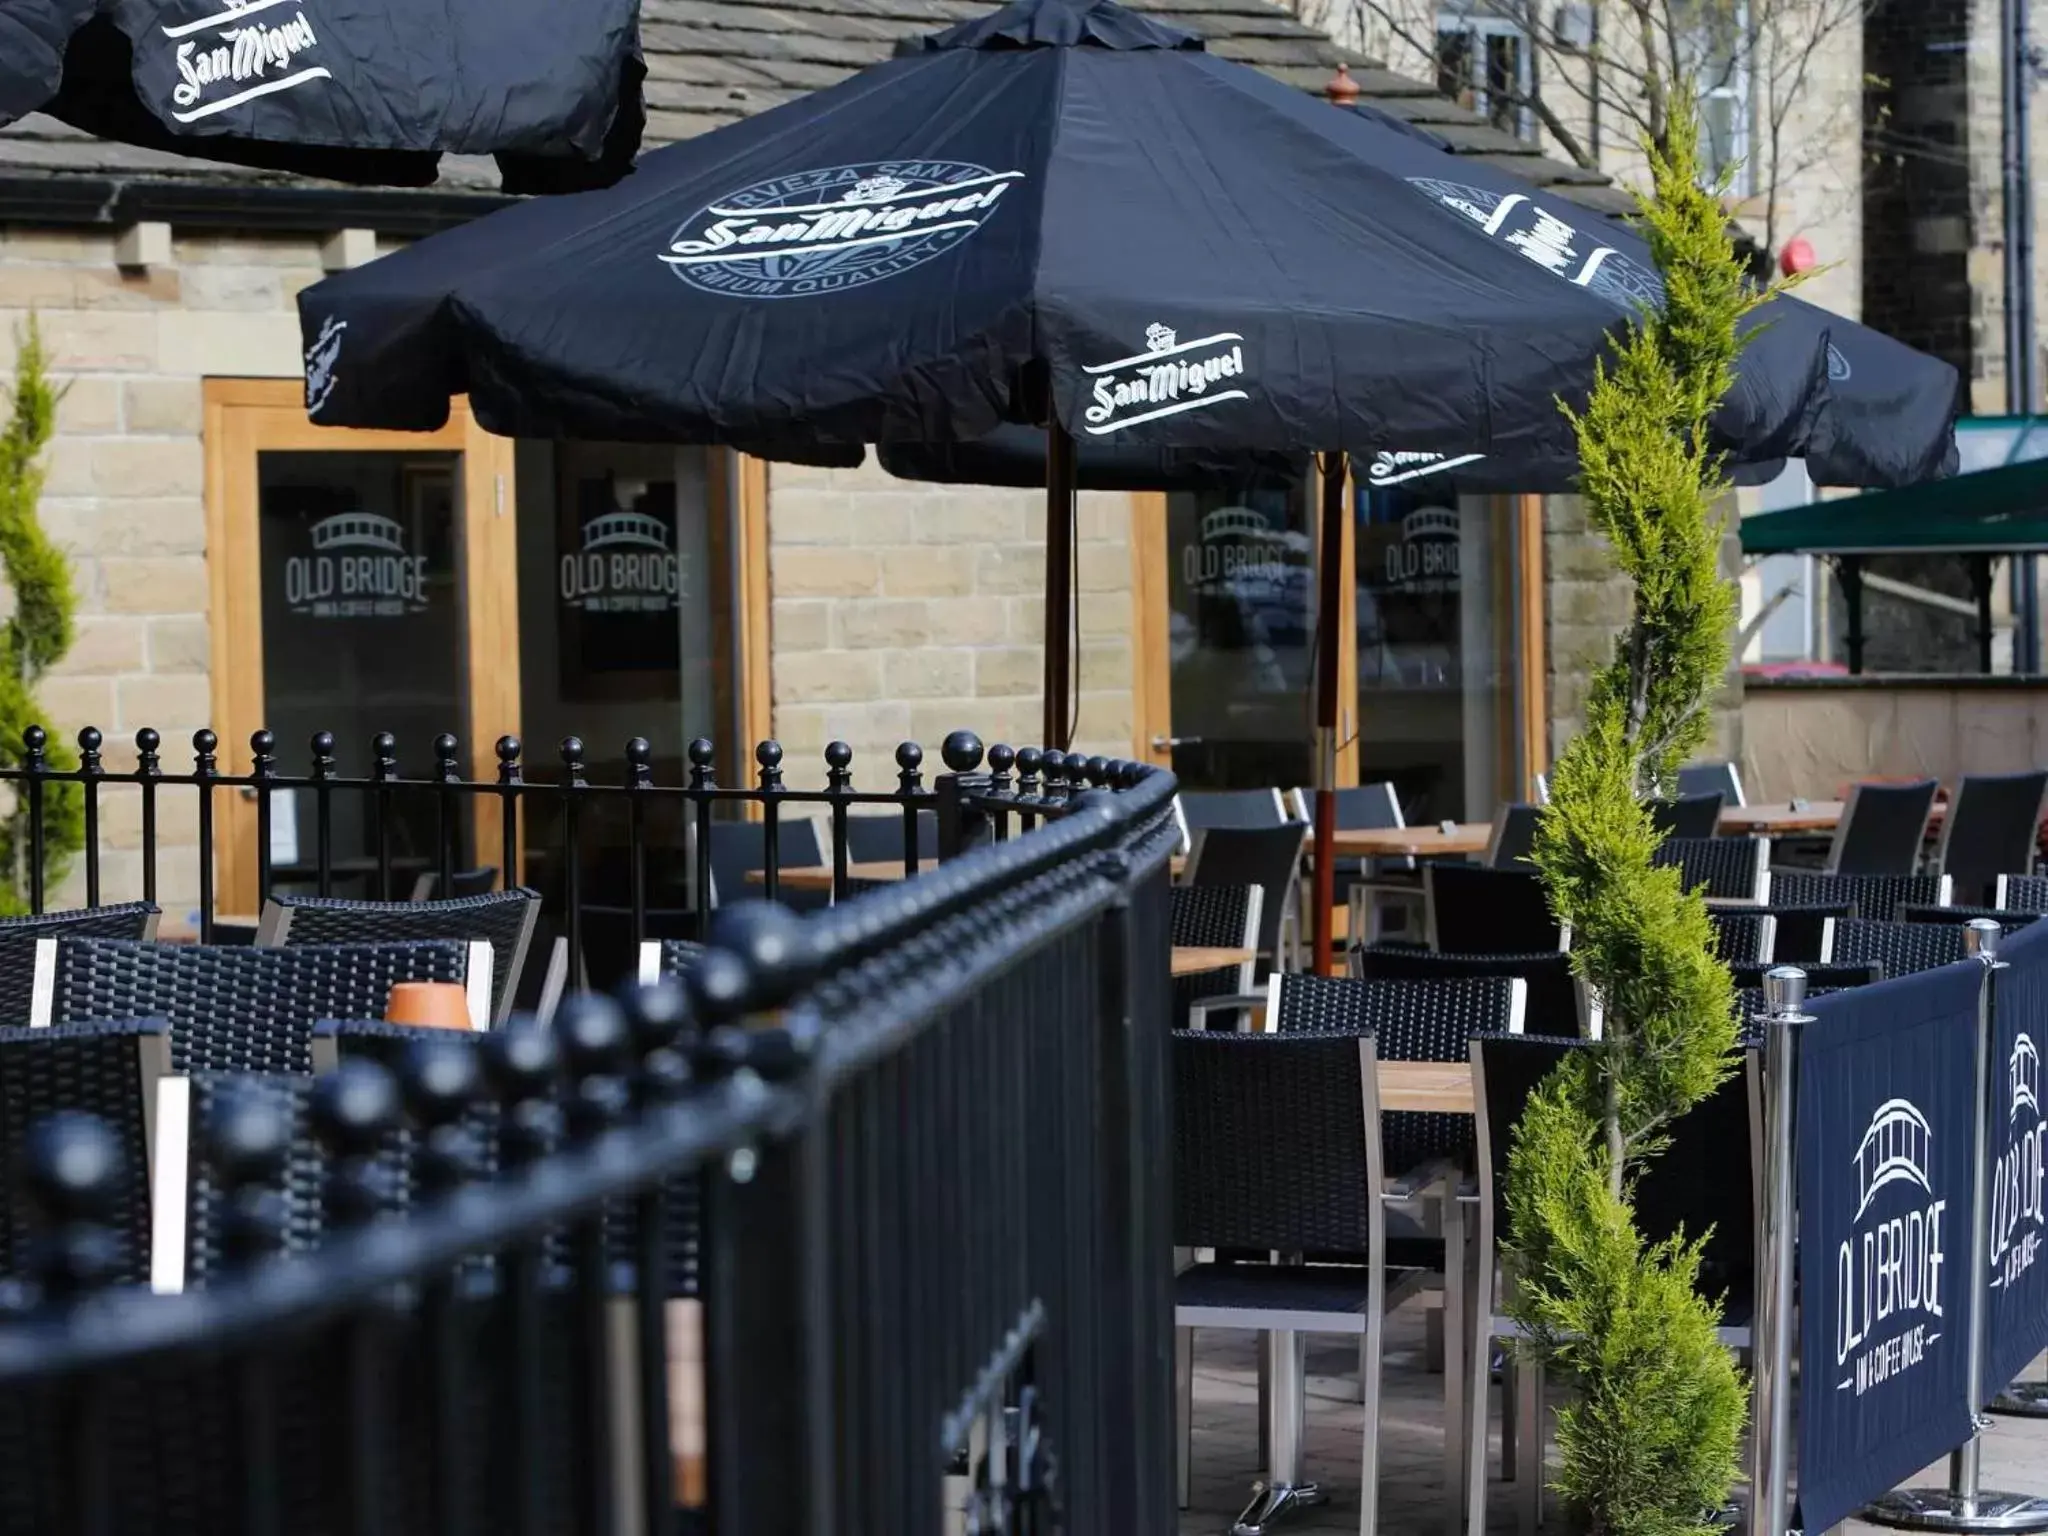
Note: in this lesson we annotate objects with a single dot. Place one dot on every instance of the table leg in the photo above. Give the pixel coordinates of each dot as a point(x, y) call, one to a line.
point(1456, 1341)
point(1283, 1491)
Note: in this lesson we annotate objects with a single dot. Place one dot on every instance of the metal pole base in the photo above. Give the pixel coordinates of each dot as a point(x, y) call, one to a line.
point(1271, 1505)
point(1937, 1509)
point(2023, 1400)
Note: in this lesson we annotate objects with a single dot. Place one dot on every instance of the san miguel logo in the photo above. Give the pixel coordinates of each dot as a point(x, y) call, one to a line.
point(359, 569)
point(1889, 1268)
point(822, 231)
point(1397, 468)
point(239, 53)
point(2017, 1210)
point(321, 360)
point(625, 566)
point(1169, 377)
point(1516, 220)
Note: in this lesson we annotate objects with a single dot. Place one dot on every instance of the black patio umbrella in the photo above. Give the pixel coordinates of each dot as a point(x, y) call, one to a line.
point(370, 91)
point(1061, 213)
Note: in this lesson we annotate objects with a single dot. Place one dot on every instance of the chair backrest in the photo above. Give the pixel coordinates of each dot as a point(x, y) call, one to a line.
point(2020, 893)
point(878, 838)
point(1900, 948)
point(666, 959)
point(1882, 828)
point(1514, 835)
point(1688, 816)
point(1268, 857)
point(107, 1070)
point(738, 849)
point(1722, 779)
point(1506, 1070)
point(480, 881)
point(1795, 931)
point(1553, 1002)
point(1360, 807)
point(1214, 917)
point(1872, 896)
point(1819, 977)
point(1992, 826)
point(503, 919)
point(1276, 1142)
point(1471, 910)
point(1745, 938)
point(1721, 868)
point(239, 1009)
point(2007, 921)
point(18, 935)
point(1205, 808)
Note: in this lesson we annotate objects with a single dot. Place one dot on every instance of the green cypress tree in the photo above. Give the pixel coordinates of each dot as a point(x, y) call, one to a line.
point(1650, 1439)
point(41, 628)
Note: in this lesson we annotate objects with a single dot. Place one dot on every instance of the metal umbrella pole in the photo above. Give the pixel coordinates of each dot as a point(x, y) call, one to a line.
point(1777, 1254)
point(1965, 1505)
point(1329, 605)
point(1060, 481)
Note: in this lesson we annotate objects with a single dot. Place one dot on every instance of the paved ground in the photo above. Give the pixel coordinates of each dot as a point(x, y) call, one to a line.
point(1226, 1440)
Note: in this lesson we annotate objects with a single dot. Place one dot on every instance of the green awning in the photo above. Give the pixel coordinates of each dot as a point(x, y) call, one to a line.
point(1994, 511)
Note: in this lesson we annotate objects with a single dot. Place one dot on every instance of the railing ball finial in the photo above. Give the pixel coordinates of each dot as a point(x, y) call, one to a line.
point(1784, 990)
point(204, 745)
point(772, 943)
point(961, 751)
point(148, 741)
point(1002, 757)
point(523, 1062)
point(838, 755)
point(768, 755)
point(1982, 936)
point(89, 742)
point(72, 1176)
point(36, 739)
point(1029, 761)
point(909, 761)
point(661, 1021)
point(1053, 764)
point(354, 1108)
point(248, 1139)
point(597, 1049)
point(1097, 770)
point(440, 1081)
point(322, 743)
point(508, 749)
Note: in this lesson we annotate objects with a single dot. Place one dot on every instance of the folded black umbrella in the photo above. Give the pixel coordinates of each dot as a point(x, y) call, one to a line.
point(371, 91)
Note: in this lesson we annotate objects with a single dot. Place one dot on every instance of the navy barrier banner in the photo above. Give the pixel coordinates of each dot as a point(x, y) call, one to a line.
point(2017, 1323)
point(1887, 1075)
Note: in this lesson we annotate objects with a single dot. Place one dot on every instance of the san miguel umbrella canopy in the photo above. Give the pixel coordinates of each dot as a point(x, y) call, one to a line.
point(1063, 214)
point(370, 91)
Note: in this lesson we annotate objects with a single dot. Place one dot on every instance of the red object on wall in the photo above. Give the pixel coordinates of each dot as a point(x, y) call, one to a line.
point(1797, 256)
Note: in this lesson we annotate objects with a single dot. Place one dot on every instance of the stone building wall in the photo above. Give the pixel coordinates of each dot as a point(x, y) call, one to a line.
point(902, 612)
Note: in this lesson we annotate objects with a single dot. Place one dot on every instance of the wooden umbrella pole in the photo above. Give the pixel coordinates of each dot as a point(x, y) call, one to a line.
point(1329, 605)
point(1059, 581)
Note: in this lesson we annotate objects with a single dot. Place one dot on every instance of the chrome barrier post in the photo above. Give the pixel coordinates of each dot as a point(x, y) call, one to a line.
point(1771, 1444)
point(1965, 1505)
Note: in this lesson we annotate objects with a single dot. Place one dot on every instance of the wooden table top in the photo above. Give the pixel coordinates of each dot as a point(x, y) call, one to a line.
point(1781, 819)
point(1440, 1087)
point(1464, 839)
point(1192, 960)
point(818, 877)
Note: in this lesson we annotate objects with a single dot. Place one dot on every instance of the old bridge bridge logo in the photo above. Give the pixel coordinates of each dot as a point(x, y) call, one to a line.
point(827, 230)
point(1889, 1269)
point(245, 50)
point(1553, 244)
point(2017, 1206)
point(625, 566)
point(359, 569)
point(1169, 378)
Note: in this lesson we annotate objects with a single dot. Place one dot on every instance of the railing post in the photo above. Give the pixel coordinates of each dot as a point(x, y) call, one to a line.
point(962, 824)
point(1965, 1505)
point(1771, 1472)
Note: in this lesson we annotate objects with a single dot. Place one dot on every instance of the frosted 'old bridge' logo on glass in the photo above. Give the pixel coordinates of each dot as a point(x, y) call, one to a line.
point(822, 231)
point(1553, 244)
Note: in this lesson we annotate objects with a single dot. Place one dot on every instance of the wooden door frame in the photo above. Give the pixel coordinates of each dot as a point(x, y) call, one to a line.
point(245, 417)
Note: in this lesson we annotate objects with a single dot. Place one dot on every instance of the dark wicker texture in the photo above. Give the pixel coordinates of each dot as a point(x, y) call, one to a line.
point(678, 957)
point(1721, 868)
point(1899, 947)
point(1268, 857)
point(1269, 1143)
point(1207, 917)
point(2007, 919)
point(1738, 936)
point(1553, 1001)
point(501, 919)
point(305, 1167)
point(18, 937)
point(1477, 911)
point(1800, 928)
point(2026, 893)
point(1409, 1021)
point(96, 1068)
point(233, 1009)
point(1872, 896)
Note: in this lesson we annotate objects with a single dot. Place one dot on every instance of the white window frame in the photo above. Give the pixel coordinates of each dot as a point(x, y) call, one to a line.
point(1478, 26)
point(1735, 89)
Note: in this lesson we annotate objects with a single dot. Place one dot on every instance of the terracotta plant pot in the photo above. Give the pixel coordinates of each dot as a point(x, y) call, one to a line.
point(429, 1004)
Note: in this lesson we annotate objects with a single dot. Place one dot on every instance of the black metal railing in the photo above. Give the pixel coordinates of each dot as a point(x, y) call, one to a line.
point(617, 857)
point(928, 1127)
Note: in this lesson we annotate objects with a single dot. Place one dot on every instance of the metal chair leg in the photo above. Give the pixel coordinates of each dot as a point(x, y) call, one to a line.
point(1370, 1381)
point(1530, 1447)
point(1510, 1412)
point(1184, 1408)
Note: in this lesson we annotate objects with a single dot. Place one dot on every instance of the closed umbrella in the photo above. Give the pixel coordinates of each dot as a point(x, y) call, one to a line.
point(369, 91)
point(1070, 215)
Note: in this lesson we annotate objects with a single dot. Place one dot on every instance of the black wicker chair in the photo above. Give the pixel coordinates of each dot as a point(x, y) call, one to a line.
point(1992, 826)
point(1553, 1001)
point(1268, 857)
point(1900, 948)
point(1872, 896)
point(1514, 836)
point(2021, 893)
point(1689, 816)
point(1215, 917)
point(108, 1070)
point(878, 839)
point(666, 959)
point(234, 1009)
point(1796, 931)
point(1198, 810)
point(18, 935)
point(1819, 978)
point(1478, 911)
point(504, 920)
point(1720, 868)
point(1744, 938)
point(1882, 828)
point(2007, 921)
point(1721, 779)
point(1276, 1148)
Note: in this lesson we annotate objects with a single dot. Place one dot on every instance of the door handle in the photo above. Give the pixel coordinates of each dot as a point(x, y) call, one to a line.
point(1168, 743)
